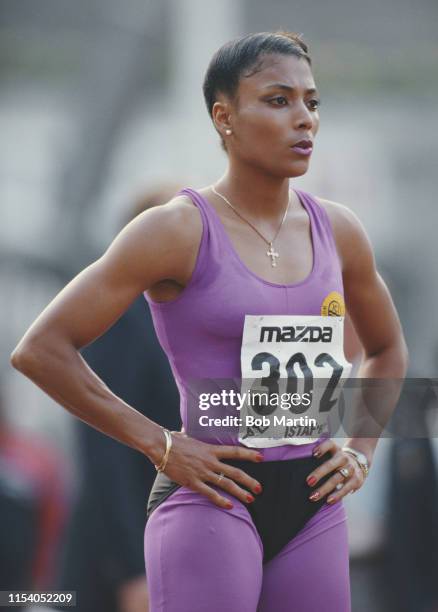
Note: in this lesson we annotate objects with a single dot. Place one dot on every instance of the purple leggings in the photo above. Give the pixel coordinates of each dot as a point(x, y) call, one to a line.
point(201, 557)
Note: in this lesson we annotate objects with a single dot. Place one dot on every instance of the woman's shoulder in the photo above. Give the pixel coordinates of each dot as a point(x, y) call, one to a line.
point(159, 243)
point(348, 230)
point(178, 219)
point(342, 217)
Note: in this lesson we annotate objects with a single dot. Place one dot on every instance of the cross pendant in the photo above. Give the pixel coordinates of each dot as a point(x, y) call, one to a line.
point(272, 254)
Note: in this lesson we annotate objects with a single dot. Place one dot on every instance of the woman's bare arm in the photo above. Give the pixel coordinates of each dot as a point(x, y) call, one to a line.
point(385, 354)
point(379, 329)
point(160, 244)
point(374, 317)
point(48, 353)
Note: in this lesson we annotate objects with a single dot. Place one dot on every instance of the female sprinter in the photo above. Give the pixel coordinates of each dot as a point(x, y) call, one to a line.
point(236, 526)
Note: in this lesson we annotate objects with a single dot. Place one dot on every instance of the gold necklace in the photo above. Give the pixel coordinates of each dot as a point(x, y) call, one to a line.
point(270, 252)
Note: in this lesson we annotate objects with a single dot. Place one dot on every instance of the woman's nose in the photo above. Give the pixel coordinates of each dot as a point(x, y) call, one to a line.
point(303, 117)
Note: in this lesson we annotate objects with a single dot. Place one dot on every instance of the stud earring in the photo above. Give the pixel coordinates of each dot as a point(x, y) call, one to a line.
point(228, 132)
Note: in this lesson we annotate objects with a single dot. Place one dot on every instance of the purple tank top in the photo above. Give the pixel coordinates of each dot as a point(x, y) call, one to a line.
point(201, 330)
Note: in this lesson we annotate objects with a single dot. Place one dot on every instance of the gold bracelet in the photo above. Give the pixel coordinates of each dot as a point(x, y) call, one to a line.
point(165, 458)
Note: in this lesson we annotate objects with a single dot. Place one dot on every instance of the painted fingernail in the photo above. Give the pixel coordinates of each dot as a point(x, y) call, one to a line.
point(258, 489)
point(259, 458)
point(330, 500)
point(249, 498)
point(314, 496)
point(228, 505)
point(311, 481)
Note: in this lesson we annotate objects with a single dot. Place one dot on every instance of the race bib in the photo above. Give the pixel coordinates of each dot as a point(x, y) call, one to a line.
point(293, 369)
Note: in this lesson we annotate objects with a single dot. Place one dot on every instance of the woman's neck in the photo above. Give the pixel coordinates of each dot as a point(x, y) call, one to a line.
point(254, 193)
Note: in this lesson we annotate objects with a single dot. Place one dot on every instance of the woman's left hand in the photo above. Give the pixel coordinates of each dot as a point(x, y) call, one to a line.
point(339, 460)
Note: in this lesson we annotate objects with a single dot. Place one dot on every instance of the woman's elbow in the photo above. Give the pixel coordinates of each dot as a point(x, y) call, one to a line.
point(21, 358)
point(27, 355)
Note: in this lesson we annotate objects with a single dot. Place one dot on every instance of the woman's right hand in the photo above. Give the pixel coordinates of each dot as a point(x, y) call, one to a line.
point(193, 463)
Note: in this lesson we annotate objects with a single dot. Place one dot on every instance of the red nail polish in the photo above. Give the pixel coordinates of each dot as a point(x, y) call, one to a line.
point(228, 505)
point(258, 489)
point(249, 498)
point(311, 481)
point(330, 500)
point(314, 496)
point(260, 458)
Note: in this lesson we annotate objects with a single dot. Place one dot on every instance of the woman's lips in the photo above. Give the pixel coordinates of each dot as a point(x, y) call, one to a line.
point(302, 150)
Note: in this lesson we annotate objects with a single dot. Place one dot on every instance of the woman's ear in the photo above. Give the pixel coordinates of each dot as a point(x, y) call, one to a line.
point(222, 119)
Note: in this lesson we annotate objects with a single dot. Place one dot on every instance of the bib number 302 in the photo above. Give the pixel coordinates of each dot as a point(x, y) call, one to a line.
point(293, 364)
point(297, 364)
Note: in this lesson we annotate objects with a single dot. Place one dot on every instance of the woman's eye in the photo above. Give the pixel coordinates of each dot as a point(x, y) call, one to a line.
point(315, 103)
point(279, 98)
point(282, 101)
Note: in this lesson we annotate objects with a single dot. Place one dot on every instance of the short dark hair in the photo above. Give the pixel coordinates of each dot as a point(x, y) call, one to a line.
point(243, 57)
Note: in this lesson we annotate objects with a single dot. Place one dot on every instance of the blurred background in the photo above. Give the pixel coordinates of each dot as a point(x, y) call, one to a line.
point(100, 107)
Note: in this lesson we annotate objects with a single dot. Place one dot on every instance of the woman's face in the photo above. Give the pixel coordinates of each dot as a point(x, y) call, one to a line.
point(275, 108)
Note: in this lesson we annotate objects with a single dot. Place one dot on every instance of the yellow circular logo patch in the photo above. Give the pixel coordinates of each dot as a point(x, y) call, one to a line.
point(333, 305)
